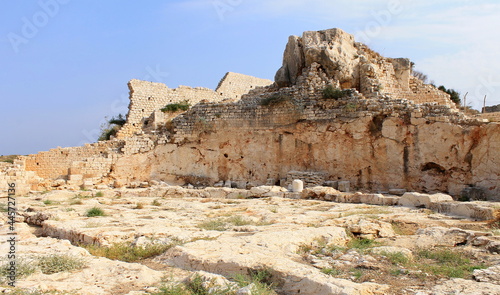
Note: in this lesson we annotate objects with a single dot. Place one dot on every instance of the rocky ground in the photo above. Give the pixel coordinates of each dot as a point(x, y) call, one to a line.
point(170, 240)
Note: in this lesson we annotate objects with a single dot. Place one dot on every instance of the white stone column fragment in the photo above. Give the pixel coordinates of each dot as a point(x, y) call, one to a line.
point(297, 186)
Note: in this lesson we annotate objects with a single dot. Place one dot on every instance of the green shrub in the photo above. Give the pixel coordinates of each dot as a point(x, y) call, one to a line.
point(60, 263)
point(274, 99)
point(454, 95)
point(216, 224)
point(396, 257)
point(99, 194)
point(239, 220)
point(24, 268)
point(95, 212)
point(361, 244)
point(447, 263)
point(261, 278)
point(175, 107)
point(331, 271)
point(331, 92)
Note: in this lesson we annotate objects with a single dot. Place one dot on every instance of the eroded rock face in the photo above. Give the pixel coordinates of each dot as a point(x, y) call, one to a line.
point(335, 58)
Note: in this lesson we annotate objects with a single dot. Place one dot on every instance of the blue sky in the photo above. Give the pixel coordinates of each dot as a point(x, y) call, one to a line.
point(65, 64)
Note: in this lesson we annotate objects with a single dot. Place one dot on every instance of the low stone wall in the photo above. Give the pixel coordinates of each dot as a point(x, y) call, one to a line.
point(90, 160)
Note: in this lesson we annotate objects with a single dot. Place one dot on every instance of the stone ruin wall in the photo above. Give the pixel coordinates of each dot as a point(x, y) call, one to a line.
point(233, 85)
point(74, 163)
point(393, 77)
point(148, 97)
point(376, 144)
point(491, 113)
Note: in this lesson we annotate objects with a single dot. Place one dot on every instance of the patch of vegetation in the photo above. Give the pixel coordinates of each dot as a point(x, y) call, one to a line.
point(127, 252)
point(361, 243)
point(195, 286)
point(261, 280)
point(331, 271)
point(351, 107)
point(222, 224)
point(239, 220)
point(218, 225)
point(357, 273)
point(396, 257)
point(274, 99)
point(444, 262)
point(24, 268)
point(331, 92)
point(454, 95)
point(139, 206)
point(60, 263)
point(95, 212)
point(156, 203)
point(175, 107)
point(111, 127)
point(99, 194)
point(48, 202)
point(8, 159)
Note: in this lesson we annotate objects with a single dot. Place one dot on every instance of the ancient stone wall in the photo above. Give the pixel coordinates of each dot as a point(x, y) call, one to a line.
point(491, 117)
point(147, 97)
point(290, 105)
point(14, 173)
point(234, 85)
point(89, 161)
point(492, 109)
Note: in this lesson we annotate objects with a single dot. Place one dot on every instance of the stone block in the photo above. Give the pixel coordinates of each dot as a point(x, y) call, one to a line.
point(397, 191)
point(344, 186)
point(332, 183)
point(473, 194)
point(75, 177)
point(297, 186)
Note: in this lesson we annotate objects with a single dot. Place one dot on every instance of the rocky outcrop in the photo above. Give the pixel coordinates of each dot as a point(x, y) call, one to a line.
point(334, 58)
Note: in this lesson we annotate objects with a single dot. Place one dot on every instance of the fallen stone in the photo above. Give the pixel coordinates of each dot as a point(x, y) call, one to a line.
point(489, 275)
point(344, 186)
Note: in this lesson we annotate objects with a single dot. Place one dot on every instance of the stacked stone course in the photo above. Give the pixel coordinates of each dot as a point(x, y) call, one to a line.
point(58, 163)
point(148, 97)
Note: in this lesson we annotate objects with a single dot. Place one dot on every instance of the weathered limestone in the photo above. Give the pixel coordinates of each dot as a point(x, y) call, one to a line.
point(347, 64)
